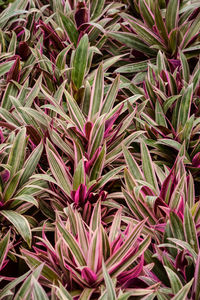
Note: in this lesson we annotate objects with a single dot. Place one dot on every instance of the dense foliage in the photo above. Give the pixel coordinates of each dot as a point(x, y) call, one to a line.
point(99, 149)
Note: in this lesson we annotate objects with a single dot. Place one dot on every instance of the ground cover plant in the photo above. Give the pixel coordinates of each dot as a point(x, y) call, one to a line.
point(99, 149)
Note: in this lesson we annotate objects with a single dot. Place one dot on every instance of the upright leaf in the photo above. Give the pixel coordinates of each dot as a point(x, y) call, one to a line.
point(190, 230)
point(111, 293)
point(79, 175)
point(97, 94)
point(172, 14)
point(182, 294)
point(17, 153)
point(147, 166)
point(58, 170)
point(4, 248)
point(79, 63)
point(70, 28)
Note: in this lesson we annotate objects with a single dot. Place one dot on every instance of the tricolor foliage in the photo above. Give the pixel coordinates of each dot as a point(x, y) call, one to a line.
point(99, 149)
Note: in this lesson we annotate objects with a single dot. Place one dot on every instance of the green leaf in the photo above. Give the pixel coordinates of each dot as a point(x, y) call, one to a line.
point(185, 67)
point(20, 223)
point(31, 163)
point(111, 96)
point(185, 105)
point(94, 251)
point(111, 294)
point(117, 148)
point(98, 164)
point(82, 233)
point(11, 90)
point(12, 14)
point(96, 8)
point(196, 285)
point(96, 136)
point(141, 249)
point(182, 294)
point(12, 186)
point(76, 113)
point(13, 43)
point(146, 13)
point(24, 198)
point(124, 296)
point(132, 41)
point(132, 164)
point(175, 282)
point(147, 166)
point(95, 220)
point(34, 262)
point(17, 153)
point(61, 58)
point(72, 245)
point(160, 23)
point(145, 34)
point(80, 62)
point(12, 285)
point(107, 177)
point(126, 246)
point(70, 28)
point(38, 292)
point(160, 116)
point(34, 92)
point(4, 248)
point(186, 246)
point(26, 287)
point(79, 175)
point(86, 294)
point(193, 29)
point(135, 67)
point(114, 230)
point(96, 94)
point(176, 226)
point(171, 16)
point(62, 293)
point(5, 67)
point(169, 102)
point(190, 229)
point(58, 170)
point(131, 204)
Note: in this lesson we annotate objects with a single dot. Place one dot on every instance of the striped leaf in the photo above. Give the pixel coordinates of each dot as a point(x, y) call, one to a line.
point(98, 164)
point(5, 67)
point(147, 166)
point(182, 294)
point(76, 114)
point(185, 106)
point(12, 185)
point(172, 15)
point(70, 28)
point(175, 282)
point(111, 293)
point(80, 62)
point(196, 285)
point(20, 223)
point(146, 13)
point(17, 153)
point(190, 229)
point(132, 41)
point(96, 94)
point(4, 248)
point(111, 96)
point(31, 163)
point(79, 175)
point(72, 245)
point(58, 170)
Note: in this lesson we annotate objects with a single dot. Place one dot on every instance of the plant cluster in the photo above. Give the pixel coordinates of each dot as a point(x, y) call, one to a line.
point(99, 149)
